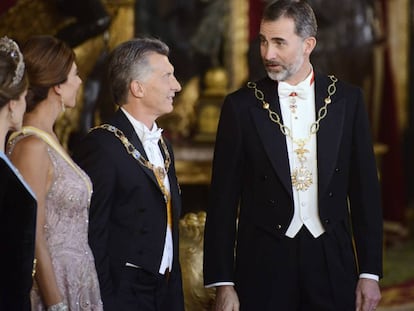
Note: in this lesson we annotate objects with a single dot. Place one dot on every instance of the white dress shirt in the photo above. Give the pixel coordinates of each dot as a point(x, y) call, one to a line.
point(299, 122)
point(154, 154)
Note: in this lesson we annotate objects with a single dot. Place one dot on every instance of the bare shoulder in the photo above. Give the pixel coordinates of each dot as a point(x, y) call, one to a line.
point(30, 147)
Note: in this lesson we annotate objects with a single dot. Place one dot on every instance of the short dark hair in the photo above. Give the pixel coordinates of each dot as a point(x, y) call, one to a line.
point(128, 62)
point(300, 11)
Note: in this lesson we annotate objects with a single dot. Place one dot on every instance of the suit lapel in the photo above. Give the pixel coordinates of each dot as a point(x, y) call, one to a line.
point(270, 133)
point(174, 186)
point(121, 122)
point(330, 131)
point(328, 136)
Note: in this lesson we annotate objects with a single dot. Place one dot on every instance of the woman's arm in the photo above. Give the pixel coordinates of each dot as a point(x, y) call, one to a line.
point(30, 156)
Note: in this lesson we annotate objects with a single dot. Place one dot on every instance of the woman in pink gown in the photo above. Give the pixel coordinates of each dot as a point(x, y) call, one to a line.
point(65, 276)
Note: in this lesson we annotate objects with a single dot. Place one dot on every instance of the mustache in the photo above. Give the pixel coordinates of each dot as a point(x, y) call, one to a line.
point(271, 63)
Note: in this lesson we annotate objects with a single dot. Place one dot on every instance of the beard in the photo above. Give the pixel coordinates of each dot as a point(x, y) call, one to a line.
point(286, 72)
point(278, 76)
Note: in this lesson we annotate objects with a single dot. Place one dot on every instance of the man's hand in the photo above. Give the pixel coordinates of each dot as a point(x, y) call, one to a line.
point(368, 295)
point(226, 299)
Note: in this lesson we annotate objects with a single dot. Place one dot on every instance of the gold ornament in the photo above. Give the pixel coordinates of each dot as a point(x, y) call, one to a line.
point(301, 177)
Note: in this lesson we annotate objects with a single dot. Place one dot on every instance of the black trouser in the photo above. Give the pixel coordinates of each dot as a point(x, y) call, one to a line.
point(140, 290)
point(308, 274)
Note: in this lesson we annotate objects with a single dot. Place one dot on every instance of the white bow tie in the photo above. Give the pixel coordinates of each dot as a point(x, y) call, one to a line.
point(285, 90)
point(152, 137)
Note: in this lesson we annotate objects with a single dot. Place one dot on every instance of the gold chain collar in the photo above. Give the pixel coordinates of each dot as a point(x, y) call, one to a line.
point(301, 176)
point(130, 148)
point(314, 128)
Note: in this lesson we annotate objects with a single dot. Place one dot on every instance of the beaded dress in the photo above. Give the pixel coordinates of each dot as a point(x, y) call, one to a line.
point(66, 233)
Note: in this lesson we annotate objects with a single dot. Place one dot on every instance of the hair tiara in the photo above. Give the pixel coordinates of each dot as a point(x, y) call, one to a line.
point(11, 48)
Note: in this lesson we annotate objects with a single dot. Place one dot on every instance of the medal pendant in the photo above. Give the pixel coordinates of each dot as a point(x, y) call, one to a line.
point(160, 172)
point(301, 178)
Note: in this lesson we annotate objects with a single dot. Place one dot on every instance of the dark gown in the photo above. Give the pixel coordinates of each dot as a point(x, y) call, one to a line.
point(17, 238)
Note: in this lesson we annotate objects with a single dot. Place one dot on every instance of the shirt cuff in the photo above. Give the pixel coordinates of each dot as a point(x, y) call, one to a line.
point(219, 284)
point(361, 276)
point(369, 276)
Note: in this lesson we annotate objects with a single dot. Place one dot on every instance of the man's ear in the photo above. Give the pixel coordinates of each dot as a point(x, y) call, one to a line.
point(137, 89)
point(310, 44)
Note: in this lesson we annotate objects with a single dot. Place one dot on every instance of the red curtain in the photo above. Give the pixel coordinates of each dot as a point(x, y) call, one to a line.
point(255, 15)
point(392, 181)
point(5, 5)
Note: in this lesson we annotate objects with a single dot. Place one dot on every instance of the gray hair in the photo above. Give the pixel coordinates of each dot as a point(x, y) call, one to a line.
point(300, 11)
point(129, 61)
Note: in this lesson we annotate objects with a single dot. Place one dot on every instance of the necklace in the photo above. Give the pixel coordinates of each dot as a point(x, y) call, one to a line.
point(160, 172)
point(301, 176)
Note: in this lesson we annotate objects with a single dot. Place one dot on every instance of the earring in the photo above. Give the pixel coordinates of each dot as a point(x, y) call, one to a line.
point(13, 126)
point(62, 103)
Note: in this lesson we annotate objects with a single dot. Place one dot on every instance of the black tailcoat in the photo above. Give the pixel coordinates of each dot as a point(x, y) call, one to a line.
point(128, 212)
point(251, 180)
